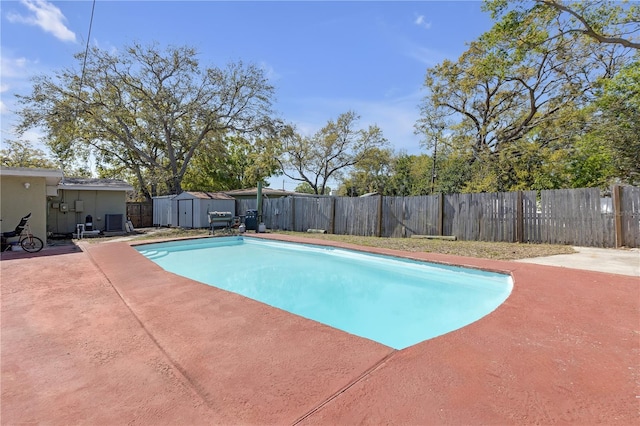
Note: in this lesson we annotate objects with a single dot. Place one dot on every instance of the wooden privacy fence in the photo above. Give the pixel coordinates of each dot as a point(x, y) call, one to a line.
point(140, 214)
point(569, 216)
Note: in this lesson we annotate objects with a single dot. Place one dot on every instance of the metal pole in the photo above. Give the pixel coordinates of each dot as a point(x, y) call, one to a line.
point(259, 204)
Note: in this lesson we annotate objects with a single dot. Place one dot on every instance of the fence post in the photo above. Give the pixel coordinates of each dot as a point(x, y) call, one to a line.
point(379, 224)
point(441, 214)
point(519, 219)
point(404, 226)
point(617, 215)
point(332, 223)
point(293, 213)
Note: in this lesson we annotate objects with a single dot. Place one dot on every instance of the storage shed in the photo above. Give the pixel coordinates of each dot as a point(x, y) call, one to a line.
point(163, 212)
point(192, 208)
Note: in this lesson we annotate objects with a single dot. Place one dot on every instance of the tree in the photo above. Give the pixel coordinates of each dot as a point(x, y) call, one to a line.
point(602, 142)
point(617, 123)
point(591, 165)
point(411, 175)
point(334, 149)
point(147, 111)
point(456, 173)
point(371, 174)
point(605, 22)
point(305, 188)
point(234, 162)
point(23, 154)
point(500, 100)
point(512, 93)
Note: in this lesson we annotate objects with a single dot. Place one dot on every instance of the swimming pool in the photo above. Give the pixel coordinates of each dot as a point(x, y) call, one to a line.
point(396, 302)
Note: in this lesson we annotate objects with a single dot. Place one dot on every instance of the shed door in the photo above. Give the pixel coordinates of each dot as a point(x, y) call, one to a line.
point(185, 213)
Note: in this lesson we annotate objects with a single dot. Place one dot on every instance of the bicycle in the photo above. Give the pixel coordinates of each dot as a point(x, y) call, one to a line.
point(29, 242)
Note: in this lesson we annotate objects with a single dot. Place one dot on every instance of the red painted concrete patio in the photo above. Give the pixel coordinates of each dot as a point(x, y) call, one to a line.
point(104, 336)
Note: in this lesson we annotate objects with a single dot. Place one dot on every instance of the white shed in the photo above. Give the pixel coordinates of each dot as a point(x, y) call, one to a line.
point(192, 208)
point(163, 212)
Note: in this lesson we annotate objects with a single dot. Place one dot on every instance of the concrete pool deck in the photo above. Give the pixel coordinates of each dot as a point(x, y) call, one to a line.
point(614, 261)
point(104, 336)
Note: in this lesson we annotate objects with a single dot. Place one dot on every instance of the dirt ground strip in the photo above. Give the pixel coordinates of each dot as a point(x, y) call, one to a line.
point(104, 336)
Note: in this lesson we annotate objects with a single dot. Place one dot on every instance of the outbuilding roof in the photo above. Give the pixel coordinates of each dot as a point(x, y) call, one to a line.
point(94, 184)
point(265, 191)
point(207, 195)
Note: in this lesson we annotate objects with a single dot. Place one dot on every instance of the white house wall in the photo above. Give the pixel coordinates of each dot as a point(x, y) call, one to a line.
point(94, 203)
point(18, 201)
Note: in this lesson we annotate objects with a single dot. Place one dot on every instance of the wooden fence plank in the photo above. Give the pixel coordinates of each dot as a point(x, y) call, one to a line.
point(630, 216)
point(531, 219)
point(392, 212)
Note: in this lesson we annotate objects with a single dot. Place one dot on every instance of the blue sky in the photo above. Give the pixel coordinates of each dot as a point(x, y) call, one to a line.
point(324, 58)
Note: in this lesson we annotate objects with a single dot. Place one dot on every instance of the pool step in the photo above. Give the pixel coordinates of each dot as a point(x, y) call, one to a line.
point(154, 254)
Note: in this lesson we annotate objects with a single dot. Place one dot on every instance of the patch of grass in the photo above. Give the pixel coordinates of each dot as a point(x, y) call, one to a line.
point(481, 249)
point(163, 233)
point(151, 234)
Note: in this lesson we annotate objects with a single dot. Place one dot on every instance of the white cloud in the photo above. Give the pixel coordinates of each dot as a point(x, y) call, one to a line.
point(3, 107)
point(46, 16)
point(424, 55)
point(422, 22)
point(15, 74)
point(395, 117)
point(396, 120)
point(13, 67)
point(269, 72)
point(418, 50)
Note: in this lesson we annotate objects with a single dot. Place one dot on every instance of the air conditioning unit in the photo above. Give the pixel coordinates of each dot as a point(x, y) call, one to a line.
point(113, 222)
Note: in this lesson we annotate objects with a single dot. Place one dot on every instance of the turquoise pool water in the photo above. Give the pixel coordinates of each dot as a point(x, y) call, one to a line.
point(393, 301)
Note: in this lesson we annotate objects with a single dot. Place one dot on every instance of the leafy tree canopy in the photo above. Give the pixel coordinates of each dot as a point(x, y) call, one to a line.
point(515, 105)
point(146, 112)
point(605, 22)
point(233, 162)
point(23, 154)
point(305, 188)
point(333, 150)
point(617, 126)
